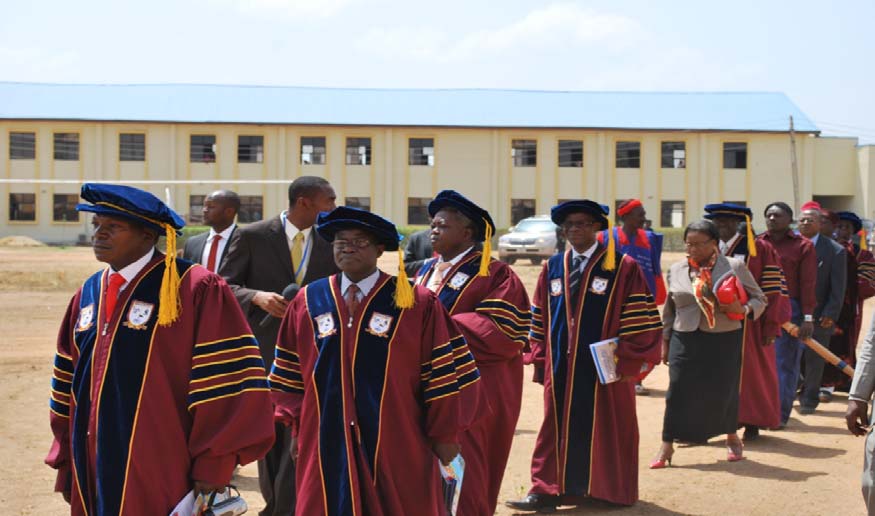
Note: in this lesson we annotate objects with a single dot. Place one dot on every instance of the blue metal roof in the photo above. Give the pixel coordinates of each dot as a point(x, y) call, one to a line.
point(196, 103)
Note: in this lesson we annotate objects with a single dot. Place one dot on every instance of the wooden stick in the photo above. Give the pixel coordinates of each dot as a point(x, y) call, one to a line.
point(819, 348)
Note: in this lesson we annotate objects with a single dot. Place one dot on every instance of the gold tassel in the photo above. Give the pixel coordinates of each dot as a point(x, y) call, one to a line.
point(611, 256)
point(403, 289)
point(864, 245)
point(487, 252)
point(751, 243)
point(169, 304)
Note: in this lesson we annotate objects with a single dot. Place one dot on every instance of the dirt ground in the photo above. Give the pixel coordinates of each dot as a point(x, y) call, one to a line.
point(812, 467)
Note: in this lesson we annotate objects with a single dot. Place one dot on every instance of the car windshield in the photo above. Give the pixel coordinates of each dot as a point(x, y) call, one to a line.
point(534, 226)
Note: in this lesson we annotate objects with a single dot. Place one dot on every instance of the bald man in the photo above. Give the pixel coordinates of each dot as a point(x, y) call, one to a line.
point(210, 248)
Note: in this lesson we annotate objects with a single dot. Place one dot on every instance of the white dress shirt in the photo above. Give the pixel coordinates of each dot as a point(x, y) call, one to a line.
point(724, 246)
point(226, 234)
point(586, 255)
point(130, 271)
point(435, 279)
point(365, 286)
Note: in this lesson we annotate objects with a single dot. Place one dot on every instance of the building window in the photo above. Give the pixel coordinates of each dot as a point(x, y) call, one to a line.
point(358, 151)
point(520, 209)
point(132, 147)
point(202, 148)
point(196, 209)
point(674, 155)
point(672, 214)
point(67, 146)
point(250, 149)
point(22, 145)
point(570, 153)
point(251, 209)
point(628, 155)
point(524, 153)
point(420, 151)
point(362, 203)
point(737, 203)
point(22, 206)
point(734, 155)
point(417, 210)
point(64, 208)
point(313, 150)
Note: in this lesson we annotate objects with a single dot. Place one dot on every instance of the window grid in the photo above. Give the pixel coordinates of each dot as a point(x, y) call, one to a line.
point(358, 151)
point(628, 155)
point(674, 155)
point(521, 209)
point(420, 152)
point(251, 209)
point(131, 147)
point(524, 153)
point(250, 149)
point(571, 153)
point(417, 210)
point(735, 155)
point(313, 150)
point(64, 208)
point(202, 148)
point(22, 207)
point(22, 145)
point(66, 146)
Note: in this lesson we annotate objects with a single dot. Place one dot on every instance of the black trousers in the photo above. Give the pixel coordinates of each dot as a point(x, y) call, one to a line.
point(276, 476)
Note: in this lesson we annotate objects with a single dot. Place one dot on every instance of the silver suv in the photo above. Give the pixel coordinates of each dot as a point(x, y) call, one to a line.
point(533, 238)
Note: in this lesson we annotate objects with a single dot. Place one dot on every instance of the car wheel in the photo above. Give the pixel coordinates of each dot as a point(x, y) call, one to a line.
point(536, 261)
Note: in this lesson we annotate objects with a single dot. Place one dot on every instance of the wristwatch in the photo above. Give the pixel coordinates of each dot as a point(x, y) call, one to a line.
point(808, 318)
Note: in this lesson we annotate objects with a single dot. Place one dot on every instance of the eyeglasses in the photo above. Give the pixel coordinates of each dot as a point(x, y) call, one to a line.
point(577, 224)
point(698, 245)
point(358, 243)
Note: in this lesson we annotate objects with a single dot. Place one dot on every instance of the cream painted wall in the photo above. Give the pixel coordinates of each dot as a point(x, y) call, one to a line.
point(475, 161)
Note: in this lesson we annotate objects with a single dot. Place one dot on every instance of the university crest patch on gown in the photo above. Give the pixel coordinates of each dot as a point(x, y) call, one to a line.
point(86, 318)
point(139, 314)
point(458, 280)
point(325, 325)
point(556, 287)
point(379, 325)
point(599, 285)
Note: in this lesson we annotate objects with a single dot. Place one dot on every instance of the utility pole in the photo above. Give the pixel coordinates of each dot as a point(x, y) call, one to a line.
point(794, 167)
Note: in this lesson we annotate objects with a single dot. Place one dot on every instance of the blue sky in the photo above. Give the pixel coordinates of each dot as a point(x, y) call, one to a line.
point(819, 53)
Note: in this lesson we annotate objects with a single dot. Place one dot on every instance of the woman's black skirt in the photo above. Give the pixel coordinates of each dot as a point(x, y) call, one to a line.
point(702, 398)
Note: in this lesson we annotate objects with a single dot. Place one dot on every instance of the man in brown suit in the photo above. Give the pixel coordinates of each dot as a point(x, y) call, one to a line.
point(267, 263)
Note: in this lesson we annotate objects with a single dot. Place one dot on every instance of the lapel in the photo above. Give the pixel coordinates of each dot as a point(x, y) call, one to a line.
point(320, 254)
point(683, 278)
point(276, 235)
point(227, 244)
point(720, 270)
point(200, 245)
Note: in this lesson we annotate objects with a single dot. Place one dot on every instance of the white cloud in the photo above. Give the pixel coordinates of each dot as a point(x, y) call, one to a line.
point(288, 8)
point(561, 24)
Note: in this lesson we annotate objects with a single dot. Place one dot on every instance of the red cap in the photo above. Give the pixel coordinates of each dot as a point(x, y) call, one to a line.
point(628, 206)
point(811, 205)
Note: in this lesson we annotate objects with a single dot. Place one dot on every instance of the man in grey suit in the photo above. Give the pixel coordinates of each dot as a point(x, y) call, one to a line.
point(858, 403)
point(210, 248)
point(267, 258)
point(832, 265)
point(417, 251)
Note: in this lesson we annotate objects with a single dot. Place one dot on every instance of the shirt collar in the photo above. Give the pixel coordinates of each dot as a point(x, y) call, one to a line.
point(225, 234)
point(586, 254)
point(365, 285)
point(458, 257)
point(292, 230)
point(815, 238)
point(728, 244)
point(130, 271)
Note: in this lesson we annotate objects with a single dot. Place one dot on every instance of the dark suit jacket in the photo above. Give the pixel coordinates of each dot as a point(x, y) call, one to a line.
point(832, 272)
point(417, 251)
point(259, 260)
point(194, 247)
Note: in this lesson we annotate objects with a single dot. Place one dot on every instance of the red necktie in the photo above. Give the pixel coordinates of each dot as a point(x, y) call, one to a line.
point(214, 249)
point(116, 281)
point(352, 298)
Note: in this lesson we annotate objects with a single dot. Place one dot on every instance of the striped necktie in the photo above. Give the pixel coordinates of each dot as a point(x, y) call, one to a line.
point(574, 277)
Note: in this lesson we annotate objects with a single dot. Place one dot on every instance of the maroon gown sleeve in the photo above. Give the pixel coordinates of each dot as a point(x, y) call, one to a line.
point(865, 274)
point(286, 382)
point(449, 376)
point(637, 323)
point(59, 403)
point(770, 277)
point(807, 275)
point(231, 411)
point(498, 328)
point(537, 354)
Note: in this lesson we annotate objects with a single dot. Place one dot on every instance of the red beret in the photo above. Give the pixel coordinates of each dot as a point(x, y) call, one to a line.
point(628, 206)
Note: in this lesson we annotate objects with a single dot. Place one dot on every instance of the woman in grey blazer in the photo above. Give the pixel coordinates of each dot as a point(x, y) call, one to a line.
point(702, 344)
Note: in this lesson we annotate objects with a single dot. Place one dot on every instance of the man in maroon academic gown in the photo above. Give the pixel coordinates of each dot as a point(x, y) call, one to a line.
point(374, 380)
point(588, 442)
point(158, 386)
point(759, 404)
point(488, 302)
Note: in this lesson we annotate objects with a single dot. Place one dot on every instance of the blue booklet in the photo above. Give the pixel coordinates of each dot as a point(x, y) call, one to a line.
point(603, 354)
point(451, 477)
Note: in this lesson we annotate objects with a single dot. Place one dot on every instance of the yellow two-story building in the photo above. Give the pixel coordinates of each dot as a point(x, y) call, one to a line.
point(517, 153)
